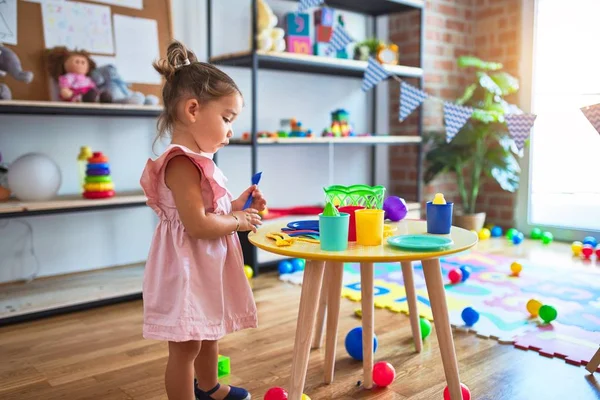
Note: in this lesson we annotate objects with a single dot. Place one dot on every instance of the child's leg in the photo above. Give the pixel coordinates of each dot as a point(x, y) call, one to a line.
point(179, 376)
point(206, 366)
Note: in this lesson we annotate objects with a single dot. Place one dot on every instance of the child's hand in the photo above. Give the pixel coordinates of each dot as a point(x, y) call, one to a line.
point(249, 219)
point(258, 201)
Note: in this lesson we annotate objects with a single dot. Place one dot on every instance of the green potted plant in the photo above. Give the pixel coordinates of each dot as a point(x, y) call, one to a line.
point(483, 148)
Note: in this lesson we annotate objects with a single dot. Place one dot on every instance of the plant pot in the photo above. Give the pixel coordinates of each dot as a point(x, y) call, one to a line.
point(472, 222)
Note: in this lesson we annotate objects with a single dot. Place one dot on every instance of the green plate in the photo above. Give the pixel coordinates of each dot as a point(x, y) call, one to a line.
point(420, 242)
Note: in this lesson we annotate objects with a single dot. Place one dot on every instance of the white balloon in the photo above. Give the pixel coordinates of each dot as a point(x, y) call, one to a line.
point(34, 177)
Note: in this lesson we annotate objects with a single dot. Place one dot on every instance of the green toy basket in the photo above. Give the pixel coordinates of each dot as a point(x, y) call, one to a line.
point(355, 195)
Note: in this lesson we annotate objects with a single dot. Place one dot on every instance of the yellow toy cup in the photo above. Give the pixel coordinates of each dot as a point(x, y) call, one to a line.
point(369, 227)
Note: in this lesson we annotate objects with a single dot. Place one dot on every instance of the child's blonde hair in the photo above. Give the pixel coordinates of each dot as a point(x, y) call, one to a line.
point(186, 76)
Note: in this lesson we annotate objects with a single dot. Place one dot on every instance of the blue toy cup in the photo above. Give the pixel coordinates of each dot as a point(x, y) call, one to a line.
point(333, 231)
point(439, 218)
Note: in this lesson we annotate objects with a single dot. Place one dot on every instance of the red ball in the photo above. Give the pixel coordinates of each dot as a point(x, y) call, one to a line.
point(598, 252)
point(466, 393)
point(276, 393)
point(383, 373)
point(455, 275)
point(587, 251)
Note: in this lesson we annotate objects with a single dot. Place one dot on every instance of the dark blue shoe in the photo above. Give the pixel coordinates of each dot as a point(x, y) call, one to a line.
point(235, 393)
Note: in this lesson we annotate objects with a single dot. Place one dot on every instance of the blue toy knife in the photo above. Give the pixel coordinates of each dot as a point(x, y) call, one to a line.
point(255, 180)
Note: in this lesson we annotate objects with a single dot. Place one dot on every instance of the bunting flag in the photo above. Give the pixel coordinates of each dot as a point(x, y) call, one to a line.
point(456, 117)
point(339, 40)
point(374, 74)
point(592, 113)
point(306, 4)
point(519, 126)
point(410, 98)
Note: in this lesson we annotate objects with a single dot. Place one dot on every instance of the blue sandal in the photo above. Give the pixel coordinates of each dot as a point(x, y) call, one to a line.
point(235, 393)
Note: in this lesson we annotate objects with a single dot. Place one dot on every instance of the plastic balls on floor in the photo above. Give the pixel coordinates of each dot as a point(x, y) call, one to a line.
point(533, 306)
point(470, 316)
point(536, 233)
point(590, 240)
point(305, 397)
point(354, 343)
point(576, 248)
point(517, 238)
point(285, 267)
point(587, 251)
point(466, 393)
point(425, 327)
point(298, 264)
point(516, 268)
point(466, 272)
point(455, 275)
point(276, 393)
point(484, 234)
point(248, 271)
point(510, 233)
point(548, 313)
point(496, 231)
point(383, 374)
point(547, 238)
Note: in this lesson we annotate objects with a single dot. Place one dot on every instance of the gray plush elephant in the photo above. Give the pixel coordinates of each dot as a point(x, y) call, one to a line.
point(10, 64)
point(107, 78)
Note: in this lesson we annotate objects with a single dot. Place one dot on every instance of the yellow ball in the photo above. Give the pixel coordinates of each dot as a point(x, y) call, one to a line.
point(305, 397)
point(516, 268)
point(248, 271)
point(533, 306)
point(484, 234)
point(576, 247)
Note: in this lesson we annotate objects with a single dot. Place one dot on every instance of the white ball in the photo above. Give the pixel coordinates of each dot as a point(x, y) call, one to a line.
point(34, 177)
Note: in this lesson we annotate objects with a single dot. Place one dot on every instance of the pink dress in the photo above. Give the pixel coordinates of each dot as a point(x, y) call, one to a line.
point(194, 289)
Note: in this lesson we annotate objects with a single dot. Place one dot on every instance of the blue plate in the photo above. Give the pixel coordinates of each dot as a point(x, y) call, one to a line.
point(420, 242)
point(310, 225)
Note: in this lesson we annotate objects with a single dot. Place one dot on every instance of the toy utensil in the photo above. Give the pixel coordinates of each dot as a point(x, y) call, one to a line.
point(255, 180)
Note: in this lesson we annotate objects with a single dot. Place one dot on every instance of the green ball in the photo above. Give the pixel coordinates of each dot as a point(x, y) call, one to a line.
point(510, 233)
point(425, 327)
point(536, 233)
point(548, 313)
point(547, 237)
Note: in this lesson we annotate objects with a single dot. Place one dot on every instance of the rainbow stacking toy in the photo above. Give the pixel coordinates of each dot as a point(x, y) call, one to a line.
point(98, 183)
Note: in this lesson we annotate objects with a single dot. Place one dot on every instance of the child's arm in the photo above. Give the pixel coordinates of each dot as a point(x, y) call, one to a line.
point(182, 177)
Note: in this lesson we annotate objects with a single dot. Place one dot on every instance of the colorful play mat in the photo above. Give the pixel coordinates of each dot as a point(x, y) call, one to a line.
point(500, 299)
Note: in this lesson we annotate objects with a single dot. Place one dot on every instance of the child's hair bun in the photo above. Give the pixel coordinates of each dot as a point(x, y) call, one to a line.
point(178, 56)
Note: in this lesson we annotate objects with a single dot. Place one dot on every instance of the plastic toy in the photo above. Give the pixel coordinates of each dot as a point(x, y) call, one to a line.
point(224, 366)
point(420, 242)
point(533, 306)
point(466, 272)
point(469, 316)
point(333, 229)
point(276, 393)
point(517, 238)
point(510, 233)
point(369, 227)
point(11, 64)
point(324, 16)
point(496, 231)
point(536, 233)
point(352, 225)
point(340, 125)
point(590, 240)
point(383, 373)
point(516, 268)
point(304, 397)
point(547, 238)
point(34, 177)
point(255, 181)
point(353, 343)
point(576, 248)
point(248, 271)
point(548, 313)
point(355, 195)
point(439, 215)
point(598, 252)
point(385, 54)
point(587, 251)
point(85, 152)
point(108, 79)
point(484, 234)
point(425, 327)
point(269, 37)
point(285, 267)
point(98, 182)
point(298, 264)
point(395, 208)
point(455, 275)
point(466, 393)
point(298, 33)
point(292, 128)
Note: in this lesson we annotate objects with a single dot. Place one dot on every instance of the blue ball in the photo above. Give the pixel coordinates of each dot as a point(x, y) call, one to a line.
point(518, 238)
point(470, 316)
point(466, 272)
point(354, 343)
point(590, 240)
point(298, 264)
point(285, 267)
point(496, 231)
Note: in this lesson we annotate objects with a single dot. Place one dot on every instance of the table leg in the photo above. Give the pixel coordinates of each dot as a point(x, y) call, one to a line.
point(368, 321)
point(320, 322)
point(437, 297)
point(592, 366)
point(309, 298)
point(411, 297)
point(335, 272)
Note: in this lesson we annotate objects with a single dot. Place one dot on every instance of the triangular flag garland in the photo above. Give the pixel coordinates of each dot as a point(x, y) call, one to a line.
point(592, 113)
point(455, 117)
point(519, 126)
point(339, 40)
point(374, 74)
point(410, 98)
point(306, 4)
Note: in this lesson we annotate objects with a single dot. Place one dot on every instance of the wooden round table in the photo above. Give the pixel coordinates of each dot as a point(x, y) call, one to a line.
point(314, 287)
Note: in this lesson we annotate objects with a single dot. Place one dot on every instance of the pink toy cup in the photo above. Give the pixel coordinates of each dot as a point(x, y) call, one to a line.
point(352, 228)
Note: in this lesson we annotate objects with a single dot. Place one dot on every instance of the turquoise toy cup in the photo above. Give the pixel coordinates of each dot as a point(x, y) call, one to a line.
point(333, 231)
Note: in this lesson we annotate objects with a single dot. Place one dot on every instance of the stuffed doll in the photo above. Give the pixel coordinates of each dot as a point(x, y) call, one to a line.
point(107, 78)
point(10, 64)
point(71, 70)
point(269, 37)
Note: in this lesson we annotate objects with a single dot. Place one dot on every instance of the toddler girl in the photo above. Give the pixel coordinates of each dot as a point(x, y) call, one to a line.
point(195, 290)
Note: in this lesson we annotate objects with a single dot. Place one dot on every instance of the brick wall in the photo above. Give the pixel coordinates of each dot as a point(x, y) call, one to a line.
point(485, 28)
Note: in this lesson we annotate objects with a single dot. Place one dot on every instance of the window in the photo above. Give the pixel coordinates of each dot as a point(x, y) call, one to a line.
point(560, 187)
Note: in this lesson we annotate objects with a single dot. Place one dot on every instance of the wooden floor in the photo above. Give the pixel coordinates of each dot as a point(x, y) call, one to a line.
point(99, 354)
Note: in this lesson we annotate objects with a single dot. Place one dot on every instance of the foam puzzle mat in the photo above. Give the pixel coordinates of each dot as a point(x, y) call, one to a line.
point(501, 301)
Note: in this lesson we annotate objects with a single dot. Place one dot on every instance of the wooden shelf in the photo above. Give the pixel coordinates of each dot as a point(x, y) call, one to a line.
point(43, 297)
point(293, 62)
point(319, 140)
point(69, 204)
point(376, 7)
point(19, 107)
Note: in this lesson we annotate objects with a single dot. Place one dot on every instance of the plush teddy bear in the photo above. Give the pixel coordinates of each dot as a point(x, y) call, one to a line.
point(10, 64)
point(71, 71)
point(107, 78)
point(269, 37)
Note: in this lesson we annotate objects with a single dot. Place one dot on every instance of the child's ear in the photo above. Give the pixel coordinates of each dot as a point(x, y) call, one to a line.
point(191, 110)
